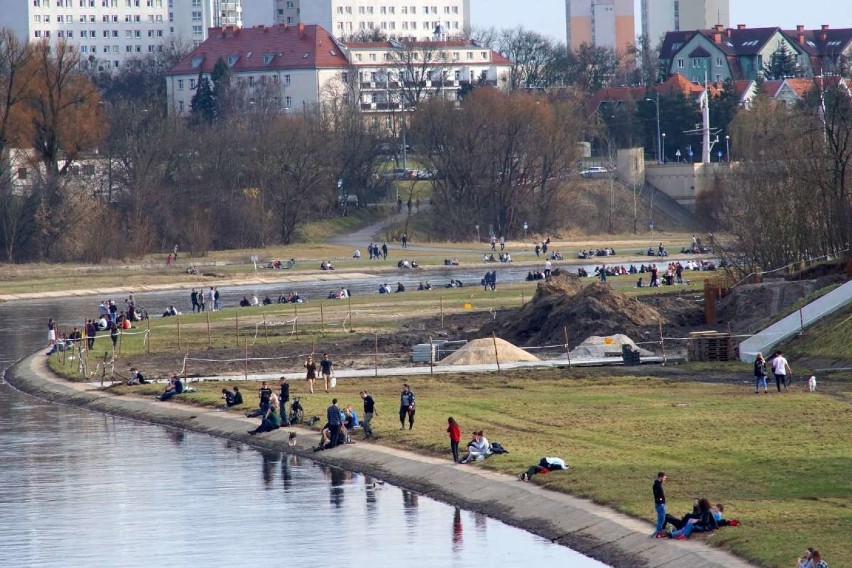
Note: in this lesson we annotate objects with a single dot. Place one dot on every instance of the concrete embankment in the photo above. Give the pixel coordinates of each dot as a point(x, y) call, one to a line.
point(594, 530)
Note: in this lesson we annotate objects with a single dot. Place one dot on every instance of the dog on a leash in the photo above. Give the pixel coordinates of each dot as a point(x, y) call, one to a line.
point(812, 384)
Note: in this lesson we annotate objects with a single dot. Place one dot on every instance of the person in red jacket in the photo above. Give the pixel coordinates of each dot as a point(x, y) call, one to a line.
point(455, 437)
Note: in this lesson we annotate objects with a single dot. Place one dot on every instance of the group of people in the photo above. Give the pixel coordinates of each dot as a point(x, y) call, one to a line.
point(202, 300)
point(590, 253)
point(780, 370)
point(407, 264)
point(377, 252)
point(290, 298)
point(326, 265)
point(490, 280)
point(340, 294)
point(812, 558)
point(661, 251)
point(704, 516)
point(541, 248)
point(503, 257)
point(245, 302)
point(534, 275)
point(495, 241)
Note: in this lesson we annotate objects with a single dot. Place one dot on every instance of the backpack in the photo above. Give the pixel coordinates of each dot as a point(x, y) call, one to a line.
point(497, 448)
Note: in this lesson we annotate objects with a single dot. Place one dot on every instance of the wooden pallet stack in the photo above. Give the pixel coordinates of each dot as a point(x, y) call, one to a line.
point(711, 346)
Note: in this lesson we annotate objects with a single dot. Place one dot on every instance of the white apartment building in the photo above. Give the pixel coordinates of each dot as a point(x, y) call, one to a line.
point(415, 20)
point(662, 16)
point(106, 32)
point(189, 20)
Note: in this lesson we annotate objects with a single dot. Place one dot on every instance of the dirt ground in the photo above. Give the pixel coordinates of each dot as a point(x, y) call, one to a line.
point(565, 303)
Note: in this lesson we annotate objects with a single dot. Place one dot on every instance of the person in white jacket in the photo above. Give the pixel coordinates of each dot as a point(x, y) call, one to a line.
point(478, 448)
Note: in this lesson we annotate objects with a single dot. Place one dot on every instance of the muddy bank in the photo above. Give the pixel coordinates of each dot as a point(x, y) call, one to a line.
point(594, 530)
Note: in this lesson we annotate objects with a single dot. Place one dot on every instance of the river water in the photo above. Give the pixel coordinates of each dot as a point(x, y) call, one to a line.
point(80, 489)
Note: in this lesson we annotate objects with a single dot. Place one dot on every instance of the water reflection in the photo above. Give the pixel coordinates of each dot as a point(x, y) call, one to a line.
point(154, 496)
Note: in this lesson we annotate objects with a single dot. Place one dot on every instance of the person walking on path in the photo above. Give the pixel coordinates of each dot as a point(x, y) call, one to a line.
point(311, 369)
point(193, 297)
point(493, 242)
point(660, 503)
point(455, 437)
point(406, 407)
point(384, 251)
point(333, 416)
point(325, 369)
point(369, 412)
point(780, 368)
point(760, 373)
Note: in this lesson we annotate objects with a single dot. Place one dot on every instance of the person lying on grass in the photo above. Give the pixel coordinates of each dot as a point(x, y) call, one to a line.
point(545, 465)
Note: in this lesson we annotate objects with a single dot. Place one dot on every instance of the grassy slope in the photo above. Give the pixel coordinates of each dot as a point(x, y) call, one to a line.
point(779, 462)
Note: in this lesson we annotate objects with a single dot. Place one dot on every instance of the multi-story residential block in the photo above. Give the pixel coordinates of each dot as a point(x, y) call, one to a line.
point(606, 23)
point(719, 54)
point(189, 20)
point(106, 32)
point(662, 16)
point(303, 66)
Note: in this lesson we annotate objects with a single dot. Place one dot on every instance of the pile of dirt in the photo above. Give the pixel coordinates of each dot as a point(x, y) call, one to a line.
point(481, 351)
point(584, 309)
point(596, 347)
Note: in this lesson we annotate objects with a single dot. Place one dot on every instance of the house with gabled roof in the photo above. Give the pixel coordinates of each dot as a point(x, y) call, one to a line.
point(829, 50)
point(720, 54)
point(295, 68)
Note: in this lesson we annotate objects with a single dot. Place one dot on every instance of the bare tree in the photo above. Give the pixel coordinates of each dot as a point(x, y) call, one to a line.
point(416, 65)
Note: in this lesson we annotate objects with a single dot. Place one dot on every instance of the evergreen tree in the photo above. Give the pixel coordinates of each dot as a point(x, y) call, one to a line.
point(782, 64)
point(203, 104)
point(222, 95)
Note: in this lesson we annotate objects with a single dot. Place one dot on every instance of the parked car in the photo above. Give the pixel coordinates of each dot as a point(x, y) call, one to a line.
point(350, 200)
point(594, 171)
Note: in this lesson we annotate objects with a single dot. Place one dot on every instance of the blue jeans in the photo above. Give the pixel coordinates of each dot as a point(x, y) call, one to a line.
point(761, 380)
point(661, 516)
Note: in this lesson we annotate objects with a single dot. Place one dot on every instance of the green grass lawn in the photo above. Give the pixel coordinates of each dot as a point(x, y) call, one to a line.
point(780, 463)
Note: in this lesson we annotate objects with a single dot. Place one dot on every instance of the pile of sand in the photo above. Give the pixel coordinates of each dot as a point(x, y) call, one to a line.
point(481, 351)
point(609, 346)
point(583, 309)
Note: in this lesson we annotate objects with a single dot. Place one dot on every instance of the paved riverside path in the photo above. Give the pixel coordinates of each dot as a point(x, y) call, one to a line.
point(591, 529)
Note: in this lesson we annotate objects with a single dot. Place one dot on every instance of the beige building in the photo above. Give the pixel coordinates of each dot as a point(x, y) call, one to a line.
point(662, 16)
point(605, 23)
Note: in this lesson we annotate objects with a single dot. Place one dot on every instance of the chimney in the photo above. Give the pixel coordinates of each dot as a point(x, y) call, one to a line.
point(729, 32)
point(741, 26)
point(301, 29)
point(800, 34)
point(719, 27)
point(823, 34)
point(717, 35)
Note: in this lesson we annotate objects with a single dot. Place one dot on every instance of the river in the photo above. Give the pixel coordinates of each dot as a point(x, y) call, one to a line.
point(92, 490)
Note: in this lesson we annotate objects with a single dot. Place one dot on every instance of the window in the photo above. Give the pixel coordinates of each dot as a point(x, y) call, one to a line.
point(680, 64)
point(83, 33)
point(696, 63)
point(288, 102)
point(180, 106)
point(22, 173)
point(180, 84)
point(196, 30)
point(718, 62)
point(196, 16)
point(192, 84)
point(128, 48)
point(287, 79)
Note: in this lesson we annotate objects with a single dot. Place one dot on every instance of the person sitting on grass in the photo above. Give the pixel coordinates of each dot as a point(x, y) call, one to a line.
point(545, 465)
point(175, 387)
point(271, 419)
point(232, 398)
point(136, 378)
point(478, 448)
point(705, 522)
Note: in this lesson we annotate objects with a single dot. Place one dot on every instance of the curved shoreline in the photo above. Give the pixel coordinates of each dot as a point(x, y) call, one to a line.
point(590, 529)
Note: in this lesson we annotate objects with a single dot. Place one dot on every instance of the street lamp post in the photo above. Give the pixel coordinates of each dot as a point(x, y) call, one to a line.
point(659, 138)
point(728, 148)
point(526, 226)
point(478, 240)
point(663, 145)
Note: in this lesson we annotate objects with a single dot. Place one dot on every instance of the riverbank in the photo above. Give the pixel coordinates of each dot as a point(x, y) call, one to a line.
point(594, 530)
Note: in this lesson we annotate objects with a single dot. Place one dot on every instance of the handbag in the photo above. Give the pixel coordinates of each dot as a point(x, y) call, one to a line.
point(332, 382)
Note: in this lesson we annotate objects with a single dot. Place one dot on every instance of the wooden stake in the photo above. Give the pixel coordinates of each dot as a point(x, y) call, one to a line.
point(120, 333)
point(322, 321)
point(178, 331)
point(496, 356)
point(265, 330)
point(186, 366)
point(376, 363)
point(442, 312)
point(431, 356)
point(148, 339)
point(296, 318)
point(208, 329)
point(237, 324)
point(567, 352)
point(246, 359)
point(662, 341)
point(351, 319)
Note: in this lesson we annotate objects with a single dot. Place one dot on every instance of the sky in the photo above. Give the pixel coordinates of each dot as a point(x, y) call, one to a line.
point(548, 16)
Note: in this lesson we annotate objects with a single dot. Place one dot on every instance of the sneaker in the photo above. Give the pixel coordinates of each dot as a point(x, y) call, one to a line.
point(680, 537)
point(662, 534)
